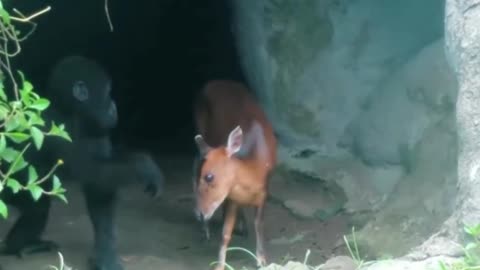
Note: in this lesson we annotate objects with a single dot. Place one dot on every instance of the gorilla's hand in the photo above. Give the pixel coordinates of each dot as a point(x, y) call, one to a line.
point(149, 173)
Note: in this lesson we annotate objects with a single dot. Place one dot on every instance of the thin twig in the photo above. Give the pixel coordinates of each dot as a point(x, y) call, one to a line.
point(8, 33)
point(6, 64)
point(27, 19)
point(52, 170)
point(108, 16)
point(22, 153)
point(27, 35)
point(34, 25)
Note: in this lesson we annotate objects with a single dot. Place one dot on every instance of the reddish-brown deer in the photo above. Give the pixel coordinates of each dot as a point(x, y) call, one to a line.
point(238, 151)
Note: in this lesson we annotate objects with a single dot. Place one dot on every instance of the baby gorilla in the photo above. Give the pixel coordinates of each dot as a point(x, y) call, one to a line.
point(79, 90)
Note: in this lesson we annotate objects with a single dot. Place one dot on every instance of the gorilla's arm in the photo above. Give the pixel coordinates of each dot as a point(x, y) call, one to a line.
point(128, 167)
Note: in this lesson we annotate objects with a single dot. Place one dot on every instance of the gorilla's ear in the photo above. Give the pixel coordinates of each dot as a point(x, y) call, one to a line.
point(80, 90)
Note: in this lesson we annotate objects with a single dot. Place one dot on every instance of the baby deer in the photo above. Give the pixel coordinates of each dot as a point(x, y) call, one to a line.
point(238, 151)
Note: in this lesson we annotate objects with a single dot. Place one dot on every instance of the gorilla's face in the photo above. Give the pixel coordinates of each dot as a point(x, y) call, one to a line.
point(94, 105)
point(81, 88)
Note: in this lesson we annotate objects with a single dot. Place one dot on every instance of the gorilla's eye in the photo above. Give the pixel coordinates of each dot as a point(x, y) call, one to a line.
point(208, 177)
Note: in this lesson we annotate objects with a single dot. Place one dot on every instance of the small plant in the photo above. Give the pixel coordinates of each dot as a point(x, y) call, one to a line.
point(62, 265)
point(354, 253)
point(229, 267)
point(471, 259)
point(21, 121)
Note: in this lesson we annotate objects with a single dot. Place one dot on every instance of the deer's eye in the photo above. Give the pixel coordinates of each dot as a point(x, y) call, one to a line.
point(208, 177)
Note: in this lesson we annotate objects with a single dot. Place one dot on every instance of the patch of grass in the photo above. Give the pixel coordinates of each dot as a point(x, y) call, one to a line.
point(229, 267)
point(354, 253)
point(351, 246)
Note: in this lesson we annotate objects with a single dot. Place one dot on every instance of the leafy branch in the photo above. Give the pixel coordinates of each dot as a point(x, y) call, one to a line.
point(21, 121)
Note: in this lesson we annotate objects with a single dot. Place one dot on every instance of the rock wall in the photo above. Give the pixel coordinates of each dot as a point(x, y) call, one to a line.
point(361, 95)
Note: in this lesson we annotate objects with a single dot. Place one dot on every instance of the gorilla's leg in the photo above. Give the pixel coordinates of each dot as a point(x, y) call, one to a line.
point(25, 236)
point(101, 208)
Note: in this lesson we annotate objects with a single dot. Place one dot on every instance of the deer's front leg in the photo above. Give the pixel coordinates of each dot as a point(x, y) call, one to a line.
point(228, 225)
point(240, 227)
point(260, 253)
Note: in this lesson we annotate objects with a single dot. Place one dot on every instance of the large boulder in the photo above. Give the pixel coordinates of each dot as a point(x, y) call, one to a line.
point(362, 98)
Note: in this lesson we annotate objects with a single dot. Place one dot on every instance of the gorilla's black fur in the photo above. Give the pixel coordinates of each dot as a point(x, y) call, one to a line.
point(79, 90)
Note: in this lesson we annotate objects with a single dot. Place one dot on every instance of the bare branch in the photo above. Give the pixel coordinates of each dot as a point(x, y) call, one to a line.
point(29, 18)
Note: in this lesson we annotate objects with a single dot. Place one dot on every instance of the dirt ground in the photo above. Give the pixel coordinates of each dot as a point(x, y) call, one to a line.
point(163, 234)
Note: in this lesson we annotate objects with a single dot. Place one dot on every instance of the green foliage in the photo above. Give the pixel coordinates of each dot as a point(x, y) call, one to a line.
point(21, 120)
point(471, 259)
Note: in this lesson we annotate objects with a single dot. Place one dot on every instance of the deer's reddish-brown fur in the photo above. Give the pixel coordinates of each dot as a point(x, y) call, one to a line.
point(238, 150)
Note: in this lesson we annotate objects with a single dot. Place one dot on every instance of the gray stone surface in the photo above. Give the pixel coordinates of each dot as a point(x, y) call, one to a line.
point(362, 97)
point(306, 197)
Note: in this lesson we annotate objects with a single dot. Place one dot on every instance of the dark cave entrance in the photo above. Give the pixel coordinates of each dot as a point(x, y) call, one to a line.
point(159, 55)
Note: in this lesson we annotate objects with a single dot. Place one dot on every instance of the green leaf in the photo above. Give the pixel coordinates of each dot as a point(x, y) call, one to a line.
point(476, 230)
point(36, 191)
point(17, 137)
point(32, 175)
point(5, 16)
point(23, 122)
point(40, 104)
point(3, 209)
point(3, 112)
point(3, 96)
point(34, 95)
point(14, 185)
point(19, 165)
point(37, 136)
point(25, 98)
point(9, 154)
point(3, 143)
point(56, 183)
point(26, 91)
point(34, 118)
point(470, 246)
point(27, 86)
point(59, 131)
point(15, 104)
point(18, 161)
point(22, 76)
point(62, 197)
point(12, 123)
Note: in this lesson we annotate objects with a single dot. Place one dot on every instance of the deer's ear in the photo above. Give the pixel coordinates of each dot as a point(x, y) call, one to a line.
point(235, 141)
point(202, 146)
